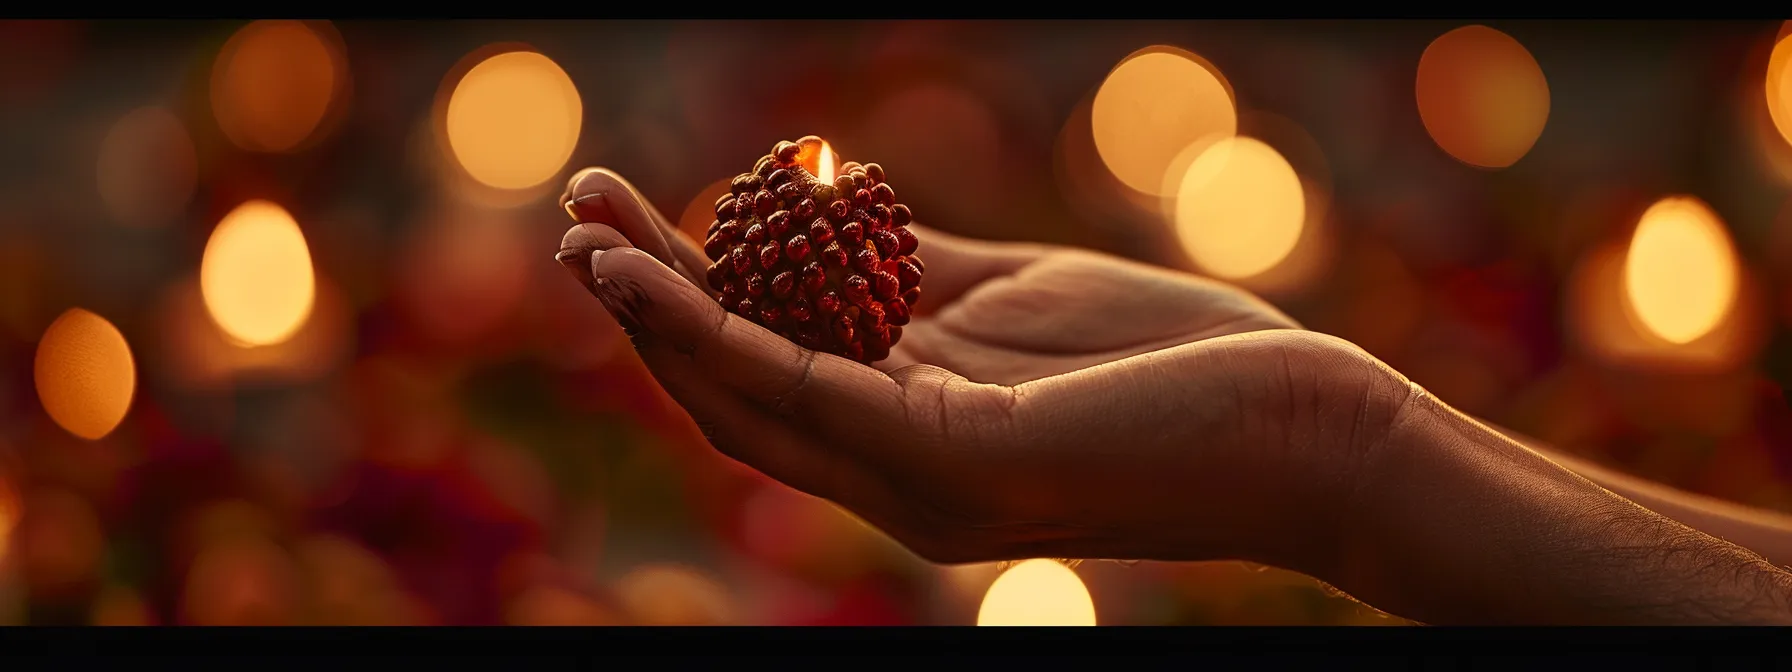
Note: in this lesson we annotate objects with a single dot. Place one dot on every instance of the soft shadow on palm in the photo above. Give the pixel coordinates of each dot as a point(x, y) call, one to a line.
point(1051, 310)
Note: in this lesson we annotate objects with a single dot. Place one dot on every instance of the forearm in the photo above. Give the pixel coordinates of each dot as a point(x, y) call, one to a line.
point(1768, 533)
point(1453, 522)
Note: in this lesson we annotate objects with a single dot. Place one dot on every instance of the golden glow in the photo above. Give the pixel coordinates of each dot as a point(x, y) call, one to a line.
point(818, 157)
point(85, 374)
point(695, 220)
point(824, 163)
point(1037, 592)
point(147, 167)
point(242, 581)
point(513, 120)
point(1481, 96)
point(256, 275)
point(667, 594)
point(1681, 273)
point(1239, 208)
point(10, 511)
point(1778, 87)
point(1155, 103)
point(273, 84)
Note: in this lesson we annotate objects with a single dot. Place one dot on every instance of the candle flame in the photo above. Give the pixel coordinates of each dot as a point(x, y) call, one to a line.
point(824, 163)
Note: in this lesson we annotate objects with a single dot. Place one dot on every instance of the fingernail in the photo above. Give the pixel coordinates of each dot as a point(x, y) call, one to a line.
point(575, 261)
point(573, 206)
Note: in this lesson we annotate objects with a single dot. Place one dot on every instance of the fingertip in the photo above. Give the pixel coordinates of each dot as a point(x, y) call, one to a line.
point(572, 184)
point(590, 236)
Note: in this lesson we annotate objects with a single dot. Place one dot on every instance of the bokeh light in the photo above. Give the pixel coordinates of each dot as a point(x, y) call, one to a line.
point(1603, 321)
point(1482, 96)
point(551, 605)
point(242, 581)
point(256, 274)
point(10, 511)
point(672, 594)
point(349, 584)
point(1680, 274)
point(1240, 207)
point(275, 84)
point(85, 374)
point(1037, 592)
point(121, 606)
point(147, 167)
point(1157, 102)
point(61, 542)
point(513, 120)
point(1777, 86)
point(197, 354)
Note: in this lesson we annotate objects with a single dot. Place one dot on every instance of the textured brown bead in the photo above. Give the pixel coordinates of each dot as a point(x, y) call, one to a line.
point(866, 260)
point(741, 261)
point(828, 266)
point(778, 224)
point(829, 303)
point(770, 255)
point(887, 243)
point(853, 233)
point(906, 241)
point(715, 246)
point(814, 276)
point(715, 276)
point(896, 312)
point(843, 327)
point(886, 286)
point(786, 151)
point(907, 274)
point(797, 248)
point(783, 284)
point(821, 232)
point(834, 255)
point(858, 290)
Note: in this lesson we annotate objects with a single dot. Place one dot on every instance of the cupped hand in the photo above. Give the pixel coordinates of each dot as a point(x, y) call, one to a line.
point(1045, 402)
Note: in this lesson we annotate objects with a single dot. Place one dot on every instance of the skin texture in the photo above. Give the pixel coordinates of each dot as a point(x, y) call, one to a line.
point(1048, 402)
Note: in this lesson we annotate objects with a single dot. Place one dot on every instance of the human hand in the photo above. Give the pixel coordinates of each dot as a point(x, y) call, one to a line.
point(1052, 404)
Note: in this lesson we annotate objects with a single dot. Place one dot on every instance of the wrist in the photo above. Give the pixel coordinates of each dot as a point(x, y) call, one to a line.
point(1452, 522)
point(1344, 410)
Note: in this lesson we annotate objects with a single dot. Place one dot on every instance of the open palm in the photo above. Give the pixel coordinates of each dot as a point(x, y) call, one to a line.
point(1008, 313)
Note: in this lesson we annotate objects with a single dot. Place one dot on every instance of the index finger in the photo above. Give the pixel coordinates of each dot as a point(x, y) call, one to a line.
point(602, 196)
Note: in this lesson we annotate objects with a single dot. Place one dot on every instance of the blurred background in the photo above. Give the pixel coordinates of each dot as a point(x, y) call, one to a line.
point(283, 341)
